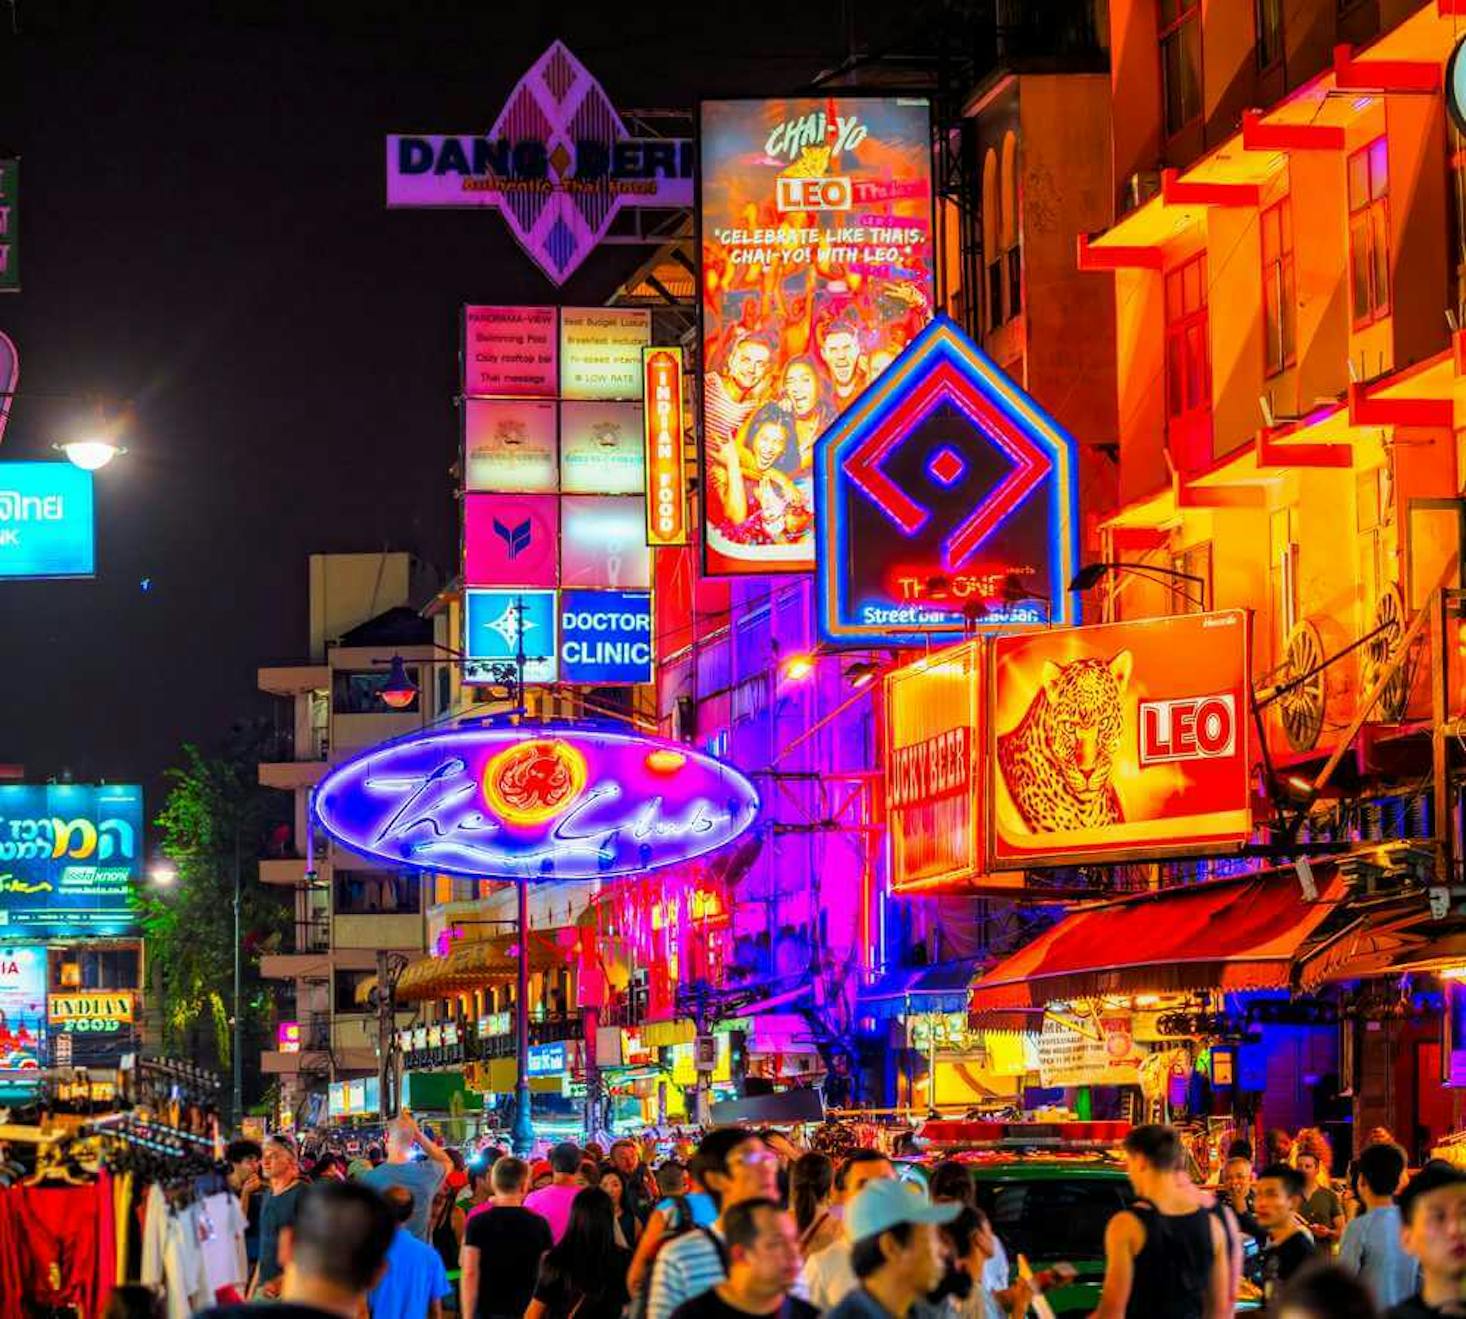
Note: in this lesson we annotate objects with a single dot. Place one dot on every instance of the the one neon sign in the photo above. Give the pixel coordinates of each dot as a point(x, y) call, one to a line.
point(945, 503)
point(535, 801)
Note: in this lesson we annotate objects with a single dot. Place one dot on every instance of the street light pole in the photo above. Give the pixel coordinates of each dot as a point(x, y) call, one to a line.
point(522, 1135)
point(238, 1109)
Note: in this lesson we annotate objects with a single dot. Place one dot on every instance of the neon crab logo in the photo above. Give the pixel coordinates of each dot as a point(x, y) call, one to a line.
point(536, 801)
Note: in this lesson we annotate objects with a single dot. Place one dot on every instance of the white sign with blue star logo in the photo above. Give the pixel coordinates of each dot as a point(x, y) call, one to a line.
point(492, 625)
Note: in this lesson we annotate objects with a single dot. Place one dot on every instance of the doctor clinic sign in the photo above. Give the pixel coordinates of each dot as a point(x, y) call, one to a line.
point(1123, 741)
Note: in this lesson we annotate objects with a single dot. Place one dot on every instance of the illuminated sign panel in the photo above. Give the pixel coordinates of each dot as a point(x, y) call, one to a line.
point(538, 801)
point(817, 261)
point(46, 526)
point(101, 1013)
point(510, 352)
point(22, 1011)
point(603, 542)
point(70, 854)
point(934, 797)
point(491, 628)
point(558, 164)
point(666, 482)
point(509, 445)
point(1120, 741)
point(600, 352)
point(606, 637)
point(510, 540)
point(946, 504)
point(601, 449)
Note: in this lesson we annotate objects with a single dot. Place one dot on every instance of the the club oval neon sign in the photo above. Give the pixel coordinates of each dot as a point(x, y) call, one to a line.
point(538, 801)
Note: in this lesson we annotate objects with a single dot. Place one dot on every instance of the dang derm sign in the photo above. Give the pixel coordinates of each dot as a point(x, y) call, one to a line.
point(537, 800)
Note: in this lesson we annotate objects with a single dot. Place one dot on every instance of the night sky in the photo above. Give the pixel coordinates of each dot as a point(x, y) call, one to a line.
point(204, 240)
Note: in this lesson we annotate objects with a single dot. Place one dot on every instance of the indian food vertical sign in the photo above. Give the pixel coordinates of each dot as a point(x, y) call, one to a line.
point(817, 270)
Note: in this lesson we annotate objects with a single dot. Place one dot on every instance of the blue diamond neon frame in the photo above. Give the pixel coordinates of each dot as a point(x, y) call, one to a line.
point(933, 517)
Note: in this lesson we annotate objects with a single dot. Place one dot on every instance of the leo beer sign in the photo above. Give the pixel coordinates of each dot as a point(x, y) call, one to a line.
point(1120, 742)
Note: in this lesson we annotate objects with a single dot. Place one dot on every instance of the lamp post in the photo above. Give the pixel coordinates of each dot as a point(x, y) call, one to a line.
point(1088, 577)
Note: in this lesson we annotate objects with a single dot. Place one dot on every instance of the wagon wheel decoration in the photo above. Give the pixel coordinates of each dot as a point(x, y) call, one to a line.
point(1302, 706)
point(1388, 625)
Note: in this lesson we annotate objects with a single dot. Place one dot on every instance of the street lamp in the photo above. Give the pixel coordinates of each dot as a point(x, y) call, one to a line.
point(163, 873)
point(1088, 577)
point(399, 691)
point(91, 454)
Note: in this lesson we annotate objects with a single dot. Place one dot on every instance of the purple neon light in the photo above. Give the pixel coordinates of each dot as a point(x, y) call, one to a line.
point(420, 802)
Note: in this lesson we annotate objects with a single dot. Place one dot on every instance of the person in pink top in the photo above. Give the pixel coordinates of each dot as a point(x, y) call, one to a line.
point(553, 1202)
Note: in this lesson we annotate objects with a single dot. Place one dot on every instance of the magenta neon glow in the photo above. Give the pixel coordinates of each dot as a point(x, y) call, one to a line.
point(544, 801)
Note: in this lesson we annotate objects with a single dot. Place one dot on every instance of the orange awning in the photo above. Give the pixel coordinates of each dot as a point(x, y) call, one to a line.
point(1231, 934)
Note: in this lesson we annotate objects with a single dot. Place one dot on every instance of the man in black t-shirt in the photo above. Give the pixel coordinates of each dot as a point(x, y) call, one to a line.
point(762, 1264)
point(1433, 1217)
point(1277, 1202)
point(502, 1246)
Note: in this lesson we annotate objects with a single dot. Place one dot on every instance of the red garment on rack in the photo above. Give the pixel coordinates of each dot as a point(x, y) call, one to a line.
point(51, 1248)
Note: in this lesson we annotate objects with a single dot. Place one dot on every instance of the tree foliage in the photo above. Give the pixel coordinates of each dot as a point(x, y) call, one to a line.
point(214, 811)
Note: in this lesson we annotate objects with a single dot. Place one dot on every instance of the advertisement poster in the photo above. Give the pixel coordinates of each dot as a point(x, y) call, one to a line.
point(491, 633)
point(509, 352)
point(817, 263)
point(510, 540)
point(606, 637)
point(603, 542)
point(946, 504)
point(22, 1009)
point(1088, 1047)
point(601, 449)
point(600, 351)
point(1120, 741)
point(509, 445)
point(46, 526)
point(70, 854)
point(666, 479)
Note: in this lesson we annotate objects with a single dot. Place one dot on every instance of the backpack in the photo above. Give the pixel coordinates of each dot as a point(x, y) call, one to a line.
point(679, 1224)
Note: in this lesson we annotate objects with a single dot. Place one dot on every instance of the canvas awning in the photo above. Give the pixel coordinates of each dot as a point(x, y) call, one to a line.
point(1393, 941)
point(1232, 934)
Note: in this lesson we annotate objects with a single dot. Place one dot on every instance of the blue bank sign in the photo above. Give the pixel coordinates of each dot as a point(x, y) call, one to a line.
point(605, 637)
point(46, 521)
point(70, 855)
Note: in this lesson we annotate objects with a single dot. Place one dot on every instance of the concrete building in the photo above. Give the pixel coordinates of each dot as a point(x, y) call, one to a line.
point(363, 611)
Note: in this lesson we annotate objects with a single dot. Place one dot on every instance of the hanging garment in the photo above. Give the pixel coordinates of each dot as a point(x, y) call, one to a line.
point(155, 1218)
point(185, 1280)
point(221, 1239)
point(57, 1242)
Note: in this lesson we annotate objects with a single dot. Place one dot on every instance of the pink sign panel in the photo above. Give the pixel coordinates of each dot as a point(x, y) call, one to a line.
point(510, 352)
point(509, 445)
point(510, 540)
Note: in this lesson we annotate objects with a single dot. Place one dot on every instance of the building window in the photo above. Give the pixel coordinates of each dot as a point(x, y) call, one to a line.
point(992, 254)
point(1008, 232)
point(1269, 15)
point(1192, 597)
point(1279, 287)
point(1369, 232)
point(346, 984)
point(1188, 370)
point(359, 692)
point(372, 892)
point(1180, 38)
point(99, 968)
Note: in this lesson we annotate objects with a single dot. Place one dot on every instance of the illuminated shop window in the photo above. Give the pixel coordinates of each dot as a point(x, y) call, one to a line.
point(1279, 287)
point(1180, 38)
point(1369, 232)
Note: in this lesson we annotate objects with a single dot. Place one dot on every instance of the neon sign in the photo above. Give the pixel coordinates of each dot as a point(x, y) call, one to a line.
point(558, 164)
point(960, 496)
point(535, 800)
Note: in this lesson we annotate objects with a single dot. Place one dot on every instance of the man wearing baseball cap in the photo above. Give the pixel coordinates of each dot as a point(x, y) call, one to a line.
point(895, 1250)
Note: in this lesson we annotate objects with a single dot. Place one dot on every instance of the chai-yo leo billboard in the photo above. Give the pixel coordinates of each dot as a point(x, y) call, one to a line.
point(1121, 741)
point(815, 218)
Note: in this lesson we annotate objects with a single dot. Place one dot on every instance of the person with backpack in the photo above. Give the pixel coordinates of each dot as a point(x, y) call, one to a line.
point(583, 1276)
point(684, 1204)
point(734, 1166)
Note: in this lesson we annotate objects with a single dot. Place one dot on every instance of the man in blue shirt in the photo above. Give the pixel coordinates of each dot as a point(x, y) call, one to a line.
point(415, 1283)
point(1371, 1246)
point(420, 1176)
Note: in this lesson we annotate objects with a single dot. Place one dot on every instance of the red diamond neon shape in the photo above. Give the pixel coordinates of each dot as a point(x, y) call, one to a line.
point(944, 383)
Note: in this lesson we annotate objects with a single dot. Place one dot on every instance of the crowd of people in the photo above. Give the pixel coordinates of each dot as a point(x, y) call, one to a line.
point(750, 1226)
